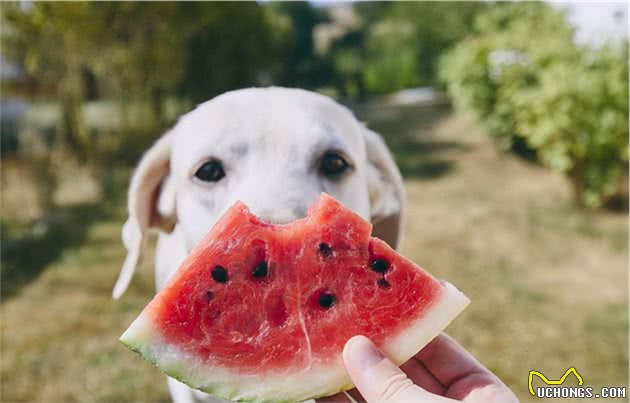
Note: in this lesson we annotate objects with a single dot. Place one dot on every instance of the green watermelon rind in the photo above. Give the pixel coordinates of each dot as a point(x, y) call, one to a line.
point(218, 392)
point(144, 339)
point(221, 391)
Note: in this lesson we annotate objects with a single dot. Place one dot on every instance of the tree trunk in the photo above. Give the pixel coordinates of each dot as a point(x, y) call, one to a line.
point(75, 134)
point(577, 175)
point(157, 107)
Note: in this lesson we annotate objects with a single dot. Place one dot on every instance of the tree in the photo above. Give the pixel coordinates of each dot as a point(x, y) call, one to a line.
point(576, 116)
point(139, 53)
point(233, 45)
point(403, 48)
point(525, 79)
point(300, 65)
point(52, 41)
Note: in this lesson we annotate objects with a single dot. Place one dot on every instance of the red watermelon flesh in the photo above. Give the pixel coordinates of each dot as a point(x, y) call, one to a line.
point(261, 312)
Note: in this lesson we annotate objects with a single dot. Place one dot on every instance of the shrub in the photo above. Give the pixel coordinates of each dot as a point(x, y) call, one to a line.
point(525, 79)
point(577, 117)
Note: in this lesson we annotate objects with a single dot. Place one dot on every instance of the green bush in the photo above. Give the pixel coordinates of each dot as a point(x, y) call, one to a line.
point(396, 45)
point(525, 79)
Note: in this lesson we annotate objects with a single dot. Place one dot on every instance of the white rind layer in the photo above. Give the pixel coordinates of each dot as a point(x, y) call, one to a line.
point(409, 341)
point(314, 381)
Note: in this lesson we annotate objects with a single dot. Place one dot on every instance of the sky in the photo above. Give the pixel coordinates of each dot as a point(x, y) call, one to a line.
point(596, 21)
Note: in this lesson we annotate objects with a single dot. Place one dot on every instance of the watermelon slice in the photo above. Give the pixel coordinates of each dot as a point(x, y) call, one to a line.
point(261, 312)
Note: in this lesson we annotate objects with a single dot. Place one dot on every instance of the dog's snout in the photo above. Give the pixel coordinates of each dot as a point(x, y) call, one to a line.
point(280, 214)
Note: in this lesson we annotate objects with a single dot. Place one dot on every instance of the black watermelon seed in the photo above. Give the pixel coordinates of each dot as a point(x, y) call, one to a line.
point(327, 300)
point(379, 265)
point(209, 296)
point(260, 270)
point(383, 283)
point(325, 250)
point(219, 274)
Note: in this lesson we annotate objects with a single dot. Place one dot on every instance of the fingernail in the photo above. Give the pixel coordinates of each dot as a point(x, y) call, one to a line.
point(361, 353)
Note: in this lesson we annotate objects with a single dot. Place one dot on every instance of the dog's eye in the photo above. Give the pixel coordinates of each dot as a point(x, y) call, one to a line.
point(333, 164)
point(211, 171)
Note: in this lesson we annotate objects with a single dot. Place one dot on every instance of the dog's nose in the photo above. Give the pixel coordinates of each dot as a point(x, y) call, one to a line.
point(280, 215)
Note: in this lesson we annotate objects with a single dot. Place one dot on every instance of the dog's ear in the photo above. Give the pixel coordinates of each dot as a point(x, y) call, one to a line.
point(385, 185)
point(151, 203)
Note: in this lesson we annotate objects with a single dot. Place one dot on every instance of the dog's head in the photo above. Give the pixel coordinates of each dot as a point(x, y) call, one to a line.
point(276, 150)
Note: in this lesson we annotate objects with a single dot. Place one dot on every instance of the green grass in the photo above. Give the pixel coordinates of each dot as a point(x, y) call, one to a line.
point(548, 281)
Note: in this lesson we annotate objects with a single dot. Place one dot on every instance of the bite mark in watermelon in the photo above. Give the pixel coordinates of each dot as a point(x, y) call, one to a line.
point(261, 312)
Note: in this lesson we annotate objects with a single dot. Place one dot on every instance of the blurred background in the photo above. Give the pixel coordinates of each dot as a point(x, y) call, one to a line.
point(509, 122)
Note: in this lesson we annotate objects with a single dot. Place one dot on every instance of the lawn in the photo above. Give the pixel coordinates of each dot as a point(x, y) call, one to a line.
point(548, 281)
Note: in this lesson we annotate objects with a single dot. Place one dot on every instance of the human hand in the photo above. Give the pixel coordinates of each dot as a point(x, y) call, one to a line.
point(441, 372)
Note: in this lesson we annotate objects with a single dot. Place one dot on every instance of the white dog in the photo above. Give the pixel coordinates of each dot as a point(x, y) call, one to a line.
point(276, 150)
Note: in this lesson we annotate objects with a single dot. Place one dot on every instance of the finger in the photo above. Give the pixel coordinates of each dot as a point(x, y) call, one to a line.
point(447, 361)
point(338, 398)
point(349, 396)
point(463, 377)
point(378, 379)
point(421, 376)
point(354, 393)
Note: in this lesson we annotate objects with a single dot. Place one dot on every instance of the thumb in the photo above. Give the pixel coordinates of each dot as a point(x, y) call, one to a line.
point(378, 379)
